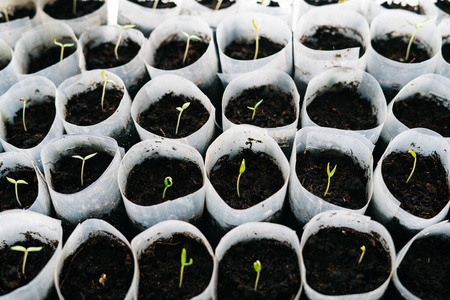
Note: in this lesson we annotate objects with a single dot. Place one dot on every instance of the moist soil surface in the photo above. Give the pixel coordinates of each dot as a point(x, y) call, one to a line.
point(38, 120)
point(427, 192)
point(245, 49)
point(348, 184)
point(145, 182)
point(159, 267)
point(150, 3)
point(49, 56)
point(342, 107)
point(255, 185)
point(85, 109)
point(279, 277)
point(446, 51)
point(11, 276)
point(27, 192)
point(321, 2)
point(424, 270)
point(412, 8)
point(18, 12)
point(331, 259)
point(170, 54)
point(395, 48)
point(276, 110)
point(101, 254)
point(66, 176)
point(213, 3)
point(424, 111)
point(63, 9)
point(161, 117)
point(102, 56)
point(444, 5)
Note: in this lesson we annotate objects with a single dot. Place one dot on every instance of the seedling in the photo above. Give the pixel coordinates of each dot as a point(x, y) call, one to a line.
point(102, 279)
point(5, 11)
point(155, 4)
point(23, 113)
point(84, 160)
point(61, 56)
point(25, 254)
point(16, 183)
point(241, 170)
point(181, 109)
point(74, 7)
point(416, 27)
point(167, 183)
point(257, 267)
point(184, 264)
point(219, 3)
point(413, 154)
point(363, 250)
point(330, 174)
point(189, 37)
point(254, 108)
point(122, 28)
point(256, 41)
point(106, 80)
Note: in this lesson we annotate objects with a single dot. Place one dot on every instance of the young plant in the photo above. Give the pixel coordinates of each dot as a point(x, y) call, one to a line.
point(219, 3)
point(181, 109)
point(189, 38)
point(74, 7)
point(122, 28)
point(5, 11)
point(16, 183)
point(167, 183)
point(184, 264)
point(25, 254)
point(84, 161)
point(257, 267)
point(102, 279)
point(330, 174)
point(254, 108)
point(155, 4)
point(413, 154)
point(363, 250)
point(23, 113)
point(416, 27)
point(256, 41)
point(61, 56)
point(106, 80)
point(241, 170)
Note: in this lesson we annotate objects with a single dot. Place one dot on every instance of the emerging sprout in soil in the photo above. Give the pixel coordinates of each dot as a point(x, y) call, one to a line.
point(416, 27)
point(413, 154)
point(5, 11)
point(155, 4)
point(241, 170)
point(25, 255)
point(256, 41)
point(20, 181)
point(106, 80)
point(167, 183)
point(61, 56)
point(254, 108)
point(122, 28)
point(257, 267)
point(102, 279)
point(189, 37)
point(219, 3)
point(330, 174)
point(23, 113)
point(84, 160)
point(184, 264)
point(181, 109)
point(363, 250)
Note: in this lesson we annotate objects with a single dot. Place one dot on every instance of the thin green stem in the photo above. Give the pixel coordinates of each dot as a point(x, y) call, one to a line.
point(330, 174)
point(121, 28)
point(219, 3)
point(416, 28)
point(181, 109)
point(23, 113)
point(241, 170)
point(167, 183)
point(188, 37)
point(155, 4)
point(256, 41)
point(413, 154)
point(363, 251)
point(5, 11)
point(257, 266)
point(183, 264)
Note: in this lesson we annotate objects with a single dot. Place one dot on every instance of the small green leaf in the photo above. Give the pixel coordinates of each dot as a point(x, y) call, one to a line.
point(18, 248)
point(242, 167)
point(257, 266)
point(90, 156)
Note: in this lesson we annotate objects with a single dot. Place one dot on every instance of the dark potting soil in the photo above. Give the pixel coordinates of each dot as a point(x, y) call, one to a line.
point(321, 2)
point(279, 276)
point(66, 176)
point(271, 3)
point(412, 8)
point(444, 5)
point(276, 110)
point(424, 111)
point(395, 48)
point(150, 3)
point(27, 192)
point(11, 276)
point(331, 259)
point(347, 185)
point(245, 49)
point(159, 267)
point(85, 109)
point(19, 12)
point(100, 255)
point(49, 56)
point(145, 182)
point(261, 179)
point(342, 107)
point(427, 192)
point(424, 270)
point(4, 63)
point(62, 9)
point(102, 56)
point(446, 50)
point(161, 118)
point(213, 3)
point(169, 55)
point(38, 120)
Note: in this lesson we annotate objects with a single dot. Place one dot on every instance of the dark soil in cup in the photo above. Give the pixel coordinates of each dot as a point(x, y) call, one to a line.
point(102, 56)
point(331, 259)
point(159, 267)
point(412, 8)
point(279, 277)
point(347, 185)
point(145, 182)
point(4, 63)
point(245, 49)
point(27, 192)
point(170, 54)
point(342, 107)
point(161, 117)
point(11, 276)
point(276, 110)
point(424, 111)
point(271, 3)
point(85, 109)
point(150, 3)
point(443, 5)
point(395, 48)
point(427, 192)
point(254, 186)
point(38, 120)
point(213, 3)
point(424, 270)
point(66, 175)
point(19, 12)
point(321, 2)
point(62, 9)
point(49, 56)
point(82, 271)
point(446, 51)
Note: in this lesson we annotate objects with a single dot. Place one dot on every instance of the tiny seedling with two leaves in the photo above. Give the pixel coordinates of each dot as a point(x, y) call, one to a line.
point(241, 170)
point(257, 266)
point(63, 46)
point(16, 183)
point(84, 159)
point(122, 29)
point(329, 174)
point(416, 28)
point(254, 108)
point(414, 155)
point(105, 82)
point(184, 264)
point(168, 182)
point(189, 38)
point(181, 109)
point(25, 254)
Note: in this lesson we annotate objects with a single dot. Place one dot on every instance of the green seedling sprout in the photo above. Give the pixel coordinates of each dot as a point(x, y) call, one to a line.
point(106, 80)
point(181, 109)
point(167, 183)
point(102, 279)
point(363, 250)
point(25, 255)
point(122, 28)
point(254, 108)
point(257, 267)
point(23, 113)
point(155, 4)
point(61, 56)
point(219, 3)
point(16, 183)
point(330, 174)
point(241, 170)
point(416, 27)
point(5, 11)
point(84, 160)
point(413, 154)
point(74, 7)
point(189, 38)
point(256, 41)
point(184, 264)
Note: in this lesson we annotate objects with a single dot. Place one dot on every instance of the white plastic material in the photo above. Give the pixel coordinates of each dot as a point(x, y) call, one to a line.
point(258, 231)
point(8, 74)
point(359, 223)
point(152, 91)
point(284, 11)
point(367, 87)
point(187, 208)
point(167, 229)
point(82, 233)
point(11, 31)
point(211, 16)
point(372, 8)
point(443, 67)
point(442, 15)
point(15, 223)
point(99, 198)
